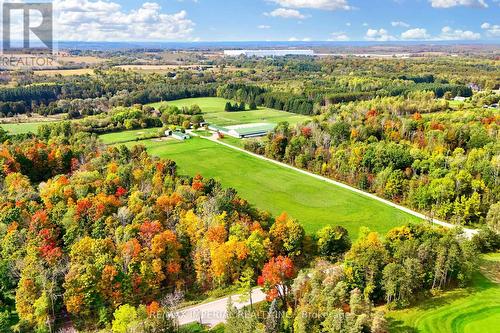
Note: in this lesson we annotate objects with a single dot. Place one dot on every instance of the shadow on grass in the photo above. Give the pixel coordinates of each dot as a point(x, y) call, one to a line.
point(479, 284)
point(398, 326)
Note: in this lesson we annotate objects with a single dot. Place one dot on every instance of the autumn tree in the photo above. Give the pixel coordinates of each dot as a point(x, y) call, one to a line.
point(287, 236)
point(276, 279)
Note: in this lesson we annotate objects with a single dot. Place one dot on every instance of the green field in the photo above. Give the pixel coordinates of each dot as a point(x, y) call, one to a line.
point(133, 135)
point(276, 189)
point(467, 310)
point(213, 112)
point(20, 128)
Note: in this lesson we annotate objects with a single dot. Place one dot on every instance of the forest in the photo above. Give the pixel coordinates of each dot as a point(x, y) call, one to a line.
point(444, 164)
point(109, 238)
point(88, 230)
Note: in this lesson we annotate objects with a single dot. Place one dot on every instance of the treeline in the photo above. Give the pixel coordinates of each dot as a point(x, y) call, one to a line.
point(428, 78)
point(9, 109)
point(290, 102)
point(438, 90)
point(259, 96)
point(31, 93)
point(126, 88)
point(75, 108)
point(118, 119)
point(163, 92)
point(126, 118)
point(237, 107)
point(107, 88)
point(20, 100)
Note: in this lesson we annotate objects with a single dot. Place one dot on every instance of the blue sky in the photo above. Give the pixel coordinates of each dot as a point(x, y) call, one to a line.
point(251, 20)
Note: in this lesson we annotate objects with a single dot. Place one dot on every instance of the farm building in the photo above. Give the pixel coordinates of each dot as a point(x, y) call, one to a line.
point(266, 53)
point(180, 136)
point(244, 131)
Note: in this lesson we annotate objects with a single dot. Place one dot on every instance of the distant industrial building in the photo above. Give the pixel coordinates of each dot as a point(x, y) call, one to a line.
point(267, 53)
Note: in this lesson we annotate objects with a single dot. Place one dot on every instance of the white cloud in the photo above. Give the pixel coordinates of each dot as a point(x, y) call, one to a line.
point(417, 33)
point(348, 24)
point(315, 4)
point(400, 24)
point(454, 3)
point(340, 36)
point(106, 20)
point(448, 33)
point(492, 30)
point(380, 35)
point(365, 24)
point(286, 13)
point(263, 26)
point(295, 39)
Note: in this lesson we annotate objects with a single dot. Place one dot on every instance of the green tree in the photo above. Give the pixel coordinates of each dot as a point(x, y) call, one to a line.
point(493, 217)
point(124, 316)
point(241, 321)
point(332, 242)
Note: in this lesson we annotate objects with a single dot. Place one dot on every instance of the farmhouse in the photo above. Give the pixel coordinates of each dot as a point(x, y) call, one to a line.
point(459, 99)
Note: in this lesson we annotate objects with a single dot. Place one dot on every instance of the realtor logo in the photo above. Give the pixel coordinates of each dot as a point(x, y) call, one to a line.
point(31, 26)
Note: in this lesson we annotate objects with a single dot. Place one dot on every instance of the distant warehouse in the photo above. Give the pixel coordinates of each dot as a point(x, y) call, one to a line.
point(267, 53)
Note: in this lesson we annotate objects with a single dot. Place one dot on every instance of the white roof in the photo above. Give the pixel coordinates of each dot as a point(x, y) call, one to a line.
point(267, 53)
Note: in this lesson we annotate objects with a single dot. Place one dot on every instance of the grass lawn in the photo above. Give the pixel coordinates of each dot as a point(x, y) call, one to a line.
point(213, 112)
point(198, 328)
point(277, 189)
point(467, 310)
point(240, 143)
point(125, 136)
point(456, 104)
point(20, 128)
point(202, 132)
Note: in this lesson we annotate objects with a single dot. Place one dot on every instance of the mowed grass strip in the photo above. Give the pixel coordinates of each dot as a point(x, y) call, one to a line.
point(466, 310)
point(278, 189)
point(213, 112)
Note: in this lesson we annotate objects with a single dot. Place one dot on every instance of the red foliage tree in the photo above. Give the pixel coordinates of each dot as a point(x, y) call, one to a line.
point(276, 279)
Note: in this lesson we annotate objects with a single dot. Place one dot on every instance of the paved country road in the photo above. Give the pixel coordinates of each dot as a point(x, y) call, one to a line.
point(468, 232)
point(215, 312)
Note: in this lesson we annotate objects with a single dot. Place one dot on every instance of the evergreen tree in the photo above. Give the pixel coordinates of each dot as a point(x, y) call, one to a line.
point(273, 320)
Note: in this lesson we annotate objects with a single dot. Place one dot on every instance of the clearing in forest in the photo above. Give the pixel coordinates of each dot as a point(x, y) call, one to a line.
point(276, 189)
point(213, 112)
